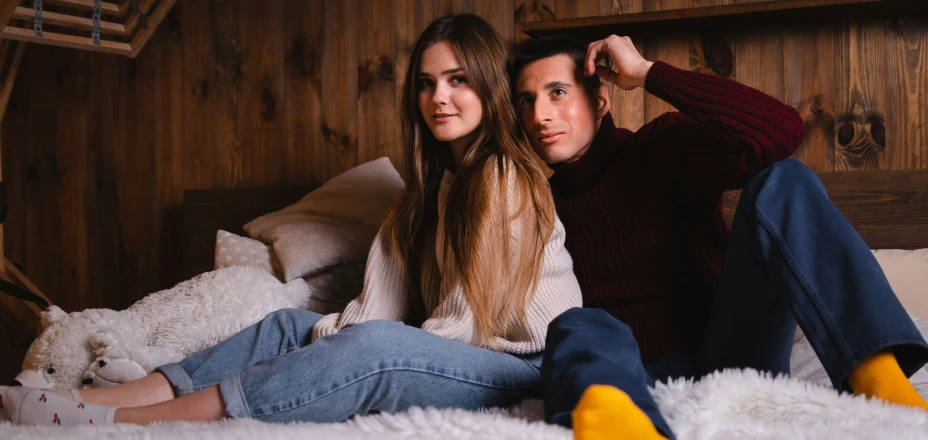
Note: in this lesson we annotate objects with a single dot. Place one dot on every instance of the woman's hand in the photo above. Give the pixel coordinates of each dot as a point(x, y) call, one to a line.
point(631, 68)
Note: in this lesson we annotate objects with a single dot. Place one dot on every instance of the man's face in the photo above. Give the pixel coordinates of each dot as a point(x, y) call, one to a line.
point(555, 110)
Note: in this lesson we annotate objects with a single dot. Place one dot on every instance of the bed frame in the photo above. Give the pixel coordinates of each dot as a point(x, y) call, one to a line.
point(888, 208)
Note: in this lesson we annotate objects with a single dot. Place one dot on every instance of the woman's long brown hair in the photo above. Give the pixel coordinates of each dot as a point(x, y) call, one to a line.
point(499, 190)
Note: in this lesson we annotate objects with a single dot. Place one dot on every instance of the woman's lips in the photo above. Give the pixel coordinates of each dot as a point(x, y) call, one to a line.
point(442, 117)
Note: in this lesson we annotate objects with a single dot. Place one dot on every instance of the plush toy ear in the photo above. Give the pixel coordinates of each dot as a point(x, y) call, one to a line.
point(52, 315)
point(103, 342)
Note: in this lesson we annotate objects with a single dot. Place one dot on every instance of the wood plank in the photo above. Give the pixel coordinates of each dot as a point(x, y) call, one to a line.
point(339, 90)
point(527, 11)
point(660, 17)
point(627, 106)
point(906, 107)
point(110, 8)
point(69, 41)
point(161, 11)
point(303, 36)
point(229, 49)
point(577, 8)
point(202, 90)
point(500, 16)
point(810, 87)
point(7, 8)
point(673, 49)
point(10, 72)
point(889, 209)
point(448, 7)
point(377, 111)
point(859, 119)
point(134, 21)
point(70, 21)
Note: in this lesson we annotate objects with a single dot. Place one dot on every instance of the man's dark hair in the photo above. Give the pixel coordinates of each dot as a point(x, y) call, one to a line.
point(545, 47)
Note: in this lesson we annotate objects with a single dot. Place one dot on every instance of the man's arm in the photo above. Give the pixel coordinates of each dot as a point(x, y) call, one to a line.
point(724, 132)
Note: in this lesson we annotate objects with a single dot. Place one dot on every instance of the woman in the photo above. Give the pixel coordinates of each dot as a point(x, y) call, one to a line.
point(475, 228)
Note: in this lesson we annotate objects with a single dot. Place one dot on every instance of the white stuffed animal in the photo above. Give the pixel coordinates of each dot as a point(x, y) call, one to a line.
point(163, 327)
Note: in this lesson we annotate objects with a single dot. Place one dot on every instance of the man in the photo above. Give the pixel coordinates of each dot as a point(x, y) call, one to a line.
point(668, 290)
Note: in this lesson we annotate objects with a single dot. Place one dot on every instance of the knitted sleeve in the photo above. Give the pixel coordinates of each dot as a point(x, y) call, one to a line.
point(382, 297)
point(724, 133)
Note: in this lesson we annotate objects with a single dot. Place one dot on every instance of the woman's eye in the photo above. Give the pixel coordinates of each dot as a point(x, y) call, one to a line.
point(423, 84)
point(50, 371)
point(459, 79)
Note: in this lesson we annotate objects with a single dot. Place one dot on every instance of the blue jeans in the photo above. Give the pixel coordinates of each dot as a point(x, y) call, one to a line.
point(271, 372)
point(792, 257)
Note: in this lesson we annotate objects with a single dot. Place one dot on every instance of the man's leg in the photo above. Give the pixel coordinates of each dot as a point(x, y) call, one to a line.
point(793, 257)
point(588, 347)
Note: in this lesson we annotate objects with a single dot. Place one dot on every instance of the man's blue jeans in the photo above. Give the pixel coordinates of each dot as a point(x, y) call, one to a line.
point(271, 372)
point(792, 257)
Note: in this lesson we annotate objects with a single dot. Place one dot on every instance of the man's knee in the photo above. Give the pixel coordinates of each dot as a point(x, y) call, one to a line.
point(582, 321)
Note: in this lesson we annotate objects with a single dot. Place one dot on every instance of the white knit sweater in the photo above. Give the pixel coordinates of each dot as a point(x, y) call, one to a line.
point(450, 315)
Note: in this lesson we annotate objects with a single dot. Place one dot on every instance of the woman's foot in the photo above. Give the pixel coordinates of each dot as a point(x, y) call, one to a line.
point(33, 406)
point(880, 376)
point(606, 412)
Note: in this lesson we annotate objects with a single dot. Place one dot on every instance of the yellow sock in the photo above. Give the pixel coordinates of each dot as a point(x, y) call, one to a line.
point(606, 412)
point(880, 376)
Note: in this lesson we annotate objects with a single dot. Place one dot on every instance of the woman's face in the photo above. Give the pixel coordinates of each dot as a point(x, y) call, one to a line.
point(450, 107)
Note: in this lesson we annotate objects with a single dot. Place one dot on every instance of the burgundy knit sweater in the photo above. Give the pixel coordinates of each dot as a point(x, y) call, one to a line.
point(643, 210)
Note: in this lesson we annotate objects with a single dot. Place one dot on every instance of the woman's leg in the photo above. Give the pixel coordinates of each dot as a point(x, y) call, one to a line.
point(793, 257)
point(274, 335)
point(373, 366)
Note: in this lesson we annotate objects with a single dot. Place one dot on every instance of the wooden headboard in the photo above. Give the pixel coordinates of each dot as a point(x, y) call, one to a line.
point(888, 208)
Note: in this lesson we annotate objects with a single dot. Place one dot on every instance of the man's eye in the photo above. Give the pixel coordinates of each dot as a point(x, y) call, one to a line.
point(525, 102)
point(559, 92)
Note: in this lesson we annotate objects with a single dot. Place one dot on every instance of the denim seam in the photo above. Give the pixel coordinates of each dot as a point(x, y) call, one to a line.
point(811, 293)
point(255, 411)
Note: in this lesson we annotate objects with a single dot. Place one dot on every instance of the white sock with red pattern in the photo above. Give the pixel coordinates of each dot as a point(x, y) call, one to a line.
point(33, 406)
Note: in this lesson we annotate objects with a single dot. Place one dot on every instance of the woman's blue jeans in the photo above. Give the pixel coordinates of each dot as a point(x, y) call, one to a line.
point(271, 372)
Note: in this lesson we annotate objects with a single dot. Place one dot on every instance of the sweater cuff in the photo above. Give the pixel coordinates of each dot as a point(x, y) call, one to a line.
point(328, 325)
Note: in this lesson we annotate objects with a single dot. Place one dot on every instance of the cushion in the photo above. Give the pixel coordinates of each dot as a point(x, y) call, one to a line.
point(335, 224)
point(907, 272)
point(234, 250)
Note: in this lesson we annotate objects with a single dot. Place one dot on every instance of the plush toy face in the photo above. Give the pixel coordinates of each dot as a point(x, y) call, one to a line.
point(61, 354)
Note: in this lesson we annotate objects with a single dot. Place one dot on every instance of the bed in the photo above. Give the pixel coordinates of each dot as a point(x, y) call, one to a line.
point(888, 208)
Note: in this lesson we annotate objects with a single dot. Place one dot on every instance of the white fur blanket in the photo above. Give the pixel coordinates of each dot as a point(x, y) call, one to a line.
point(728, 405)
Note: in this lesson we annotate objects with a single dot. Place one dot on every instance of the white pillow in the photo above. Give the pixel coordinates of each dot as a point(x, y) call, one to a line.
point(233, 250)
point(333, 225)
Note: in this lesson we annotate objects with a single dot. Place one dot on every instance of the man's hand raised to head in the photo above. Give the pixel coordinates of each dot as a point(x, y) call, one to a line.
point(631, 68)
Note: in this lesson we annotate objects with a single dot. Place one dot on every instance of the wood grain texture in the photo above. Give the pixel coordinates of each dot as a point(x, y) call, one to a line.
point(906, 81)
point(339, 149)
point(627, 106)
point(860, 129)
point(673, 49)
point(809, 83)
point(303, 76)
point(377, 104)
point(526, 11)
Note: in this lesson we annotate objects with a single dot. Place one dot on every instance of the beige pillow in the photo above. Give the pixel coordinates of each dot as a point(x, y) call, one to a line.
point(233, 250)
point(333, 225)
point(907, 272)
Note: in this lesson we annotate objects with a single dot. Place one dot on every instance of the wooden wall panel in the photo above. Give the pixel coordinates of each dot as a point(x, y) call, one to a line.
point(98, 149)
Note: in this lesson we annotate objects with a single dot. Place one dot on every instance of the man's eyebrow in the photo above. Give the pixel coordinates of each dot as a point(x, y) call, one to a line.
point(524, 94)
point(553, 84)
